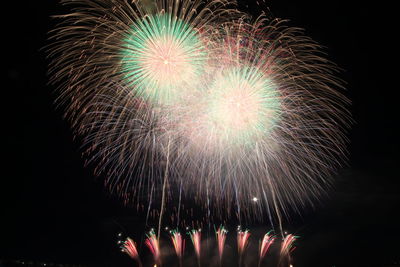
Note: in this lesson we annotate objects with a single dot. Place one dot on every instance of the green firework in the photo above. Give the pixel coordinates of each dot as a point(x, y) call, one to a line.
point(244, 105)
point(162, 57)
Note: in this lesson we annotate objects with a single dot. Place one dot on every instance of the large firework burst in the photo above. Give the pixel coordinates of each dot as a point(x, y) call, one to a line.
point(268, 123)
point(196, 95)
point(162, 57)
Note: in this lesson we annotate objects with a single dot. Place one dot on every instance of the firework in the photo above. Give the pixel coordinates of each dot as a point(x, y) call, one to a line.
point(266, 243)
point(154, 246)
point(242, 240)
point(162, 56)
point(129, 247)
point(195, 236)
point(116, 65)
point(201, 96)
point(287, 244)
point(221, 237)
point(179, 244)
point(287, 247)
point(243, 104)
point(269, 122)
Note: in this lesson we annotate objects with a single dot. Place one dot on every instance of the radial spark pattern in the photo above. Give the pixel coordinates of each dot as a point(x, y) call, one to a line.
point(201, 99)
point(243, 106)
point(162, 57)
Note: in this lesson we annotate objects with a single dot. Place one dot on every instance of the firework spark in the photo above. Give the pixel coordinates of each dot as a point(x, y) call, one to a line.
point(269, 122)
point(162, 56)
point(195, 236)
point(287, 247)
point(242, 240)
point(221, 237)
point(130, 248)
point(266, 243)
point(288, 244)
point(154, 246)
point(179, 244)
point(201, 96)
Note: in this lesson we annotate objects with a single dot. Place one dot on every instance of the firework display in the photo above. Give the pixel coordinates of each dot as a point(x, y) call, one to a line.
point(179, 244)
point(130, 248)
point(287, 244)
point(282, 249)
point(195, 236)
point(199, 97)
point(221, 237)
point(266, 243)
point(242, 240)
point(162, 56)
point(287, 247)
point(154, 246)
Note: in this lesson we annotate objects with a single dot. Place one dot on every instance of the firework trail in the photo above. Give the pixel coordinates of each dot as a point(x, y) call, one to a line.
point(153, 244)
point(198, 96)
point(287, 247)
point(266, 243)
point(242, 242)
point(221, 237)
point(265, 126)
point(179, 244)
point(129, 247)
point(195, 236)
point(113, 60)
point(287, 244)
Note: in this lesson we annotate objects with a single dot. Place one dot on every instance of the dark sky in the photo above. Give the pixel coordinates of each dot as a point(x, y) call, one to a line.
point(53, 209)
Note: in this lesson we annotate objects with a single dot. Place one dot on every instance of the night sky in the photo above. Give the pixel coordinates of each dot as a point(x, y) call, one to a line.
point(54, 210)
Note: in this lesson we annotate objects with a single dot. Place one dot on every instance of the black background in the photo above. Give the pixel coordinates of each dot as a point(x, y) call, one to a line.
point(53, 209)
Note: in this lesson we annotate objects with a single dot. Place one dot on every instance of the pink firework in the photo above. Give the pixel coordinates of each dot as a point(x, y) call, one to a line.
point(287, 248)
point(242, 240)
point(195, 236)
point(129, 247)
point(152, 243)
point(221, 236)
point(287, 244)
point(235, 107)
point(266, 243)
point(179, 243)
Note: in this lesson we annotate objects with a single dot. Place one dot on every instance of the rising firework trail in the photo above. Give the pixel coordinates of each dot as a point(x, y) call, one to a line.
point(266, 243)
point(221, 237)
point(242, 242)
point(153, 244)
point(179, 244)
point(130, 248)
point(287, 247)
point(198, 97)
point(195, 236)
point(250, 258)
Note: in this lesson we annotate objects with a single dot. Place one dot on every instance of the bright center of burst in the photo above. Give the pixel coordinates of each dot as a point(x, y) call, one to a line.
point(166, 63)
point(238, 109)
point(161, 56)
point(244, 104)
